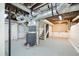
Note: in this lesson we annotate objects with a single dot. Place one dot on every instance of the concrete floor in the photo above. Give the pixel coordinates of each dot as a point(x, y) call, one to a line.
point(49, 47)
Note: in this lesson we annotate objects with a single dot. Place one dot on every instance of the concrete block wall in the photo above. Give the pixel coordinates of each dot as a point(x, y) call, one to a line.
point(62, 35)
point(15, 33)
point(22, 32)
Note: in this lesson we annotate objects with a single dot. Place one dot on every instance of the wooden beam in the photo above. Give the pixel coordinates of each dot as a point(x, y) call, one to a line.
point(68, 16)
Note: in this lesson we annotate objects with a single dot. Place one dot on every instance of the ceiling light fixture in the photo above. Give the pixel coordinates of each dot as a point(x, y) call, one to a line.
point(59, 16)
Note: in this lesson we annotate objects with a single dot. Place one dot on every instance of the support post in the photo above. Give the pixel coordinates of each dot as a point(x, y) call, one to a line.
point(17, 31)
point(44, 31)
point(37, 32)
point(9, 44)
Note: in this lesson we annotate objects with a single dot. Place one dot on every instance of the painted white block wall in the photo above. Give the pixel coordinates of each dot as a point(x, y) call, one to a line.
point(74, 35)
point(2, 34)
point(22, 31)
point(13, 31)
point(57, 34)
point(50, 31)
point(60, 35)
point(6, 32)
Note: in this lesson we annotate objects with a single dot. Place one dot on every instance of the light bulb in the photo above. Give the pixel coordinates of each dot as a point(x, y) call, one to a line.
point(60, 17)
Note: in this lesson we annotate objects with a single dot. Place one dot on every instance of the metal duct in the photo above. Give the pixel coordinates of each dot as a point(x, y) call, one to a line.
point(63, 9)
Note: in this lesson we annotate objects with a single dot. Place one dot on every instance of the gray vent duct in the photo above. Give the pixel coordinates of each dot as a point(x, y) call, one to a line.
point(63, 8)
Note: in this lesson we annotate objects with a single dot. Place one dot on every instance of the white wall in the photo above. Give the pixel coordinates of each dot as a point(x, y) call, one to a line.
point(74, 35)
point(13, 31)
point(50, 31)
point(57, 34)
point(41, 27)
point(6, 32)
point(22, 31)
point(61, 35)
point(2, 37)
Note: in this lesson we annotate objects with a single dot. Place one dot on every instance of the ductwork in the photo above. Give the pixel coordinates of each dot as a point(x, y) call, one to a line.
point(62, 8)
point(65, 9)
point(49, 13)
point(24, 8)
point(40, 6)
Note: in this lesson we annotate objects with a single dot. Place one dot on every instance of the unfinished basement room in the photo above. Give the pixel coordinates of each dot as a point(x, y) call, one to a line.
point(42, 29)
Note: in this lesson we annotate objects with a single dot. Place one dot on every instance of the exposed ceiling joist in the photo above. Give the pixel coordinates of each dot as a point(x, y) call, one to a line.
point(13, 9)
point(29, 5)
point(58, 21)
point(41, 5)
point(10, 12)
point(68, 16)
point(76, 18)
point(21, 7)
point(48, 22)
point(65, 9)
point(32, 5)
